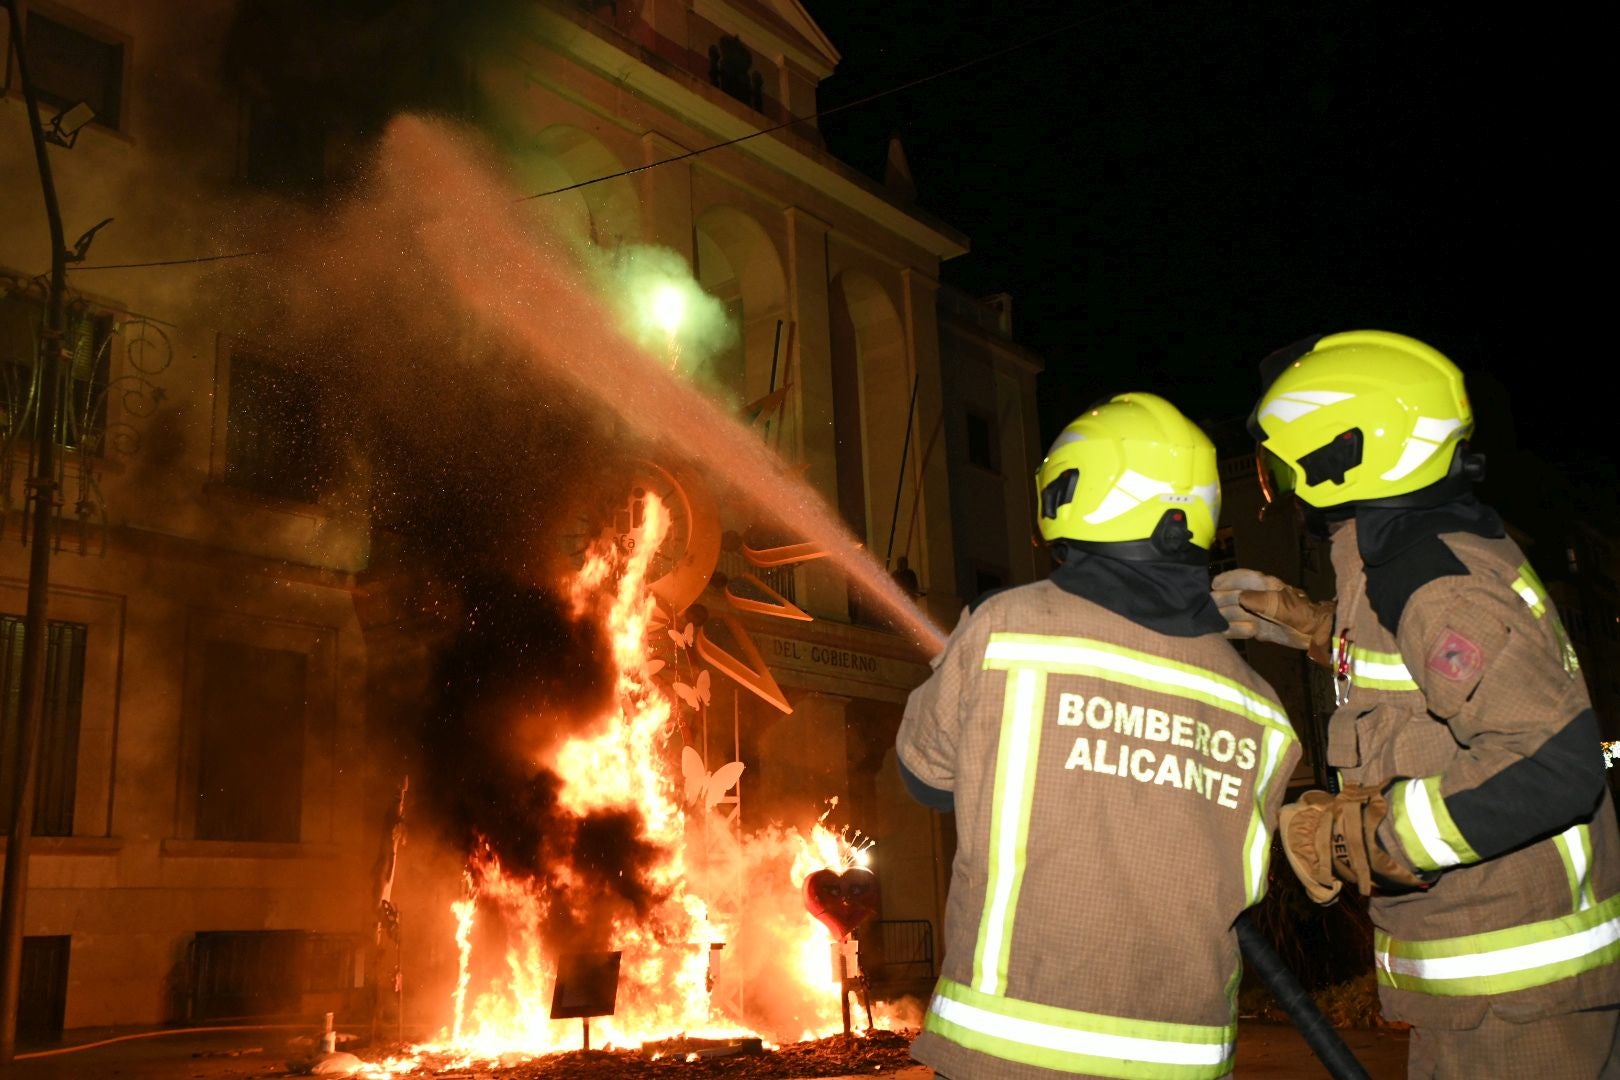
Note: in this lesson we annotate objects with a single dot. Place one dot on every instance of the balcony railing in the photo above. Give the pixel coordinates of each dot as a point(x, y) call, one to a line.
point(780, 578)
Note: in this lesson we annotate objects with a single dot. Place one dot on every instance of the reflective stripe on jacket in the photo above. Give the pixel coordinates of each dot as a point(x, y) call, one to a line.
point(1467, 713)
point(1115, 792)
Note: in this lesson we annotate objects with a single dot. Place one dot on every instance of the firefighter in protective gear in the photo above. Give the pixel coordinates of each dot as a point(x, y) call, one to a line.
point(1473, 807)
point(1115, 769)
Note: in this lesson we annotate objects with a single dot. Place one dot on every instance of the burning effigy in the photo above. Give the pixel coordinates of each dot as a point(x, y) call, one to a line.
point(609, 893)
point(681, 956)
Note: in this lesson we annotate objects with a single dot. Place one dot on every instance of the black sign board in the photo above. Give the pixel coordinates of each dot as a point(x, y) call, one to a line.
point(587, 985)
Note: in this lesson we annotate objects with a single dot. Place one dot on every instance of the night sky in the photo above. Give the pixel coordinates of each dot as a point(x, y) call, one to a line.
point(1171, 190)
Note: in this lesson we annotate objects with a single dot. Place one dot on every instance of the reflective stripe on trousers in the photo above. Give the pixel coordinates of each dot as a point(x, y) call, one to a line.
point(1067, 1040)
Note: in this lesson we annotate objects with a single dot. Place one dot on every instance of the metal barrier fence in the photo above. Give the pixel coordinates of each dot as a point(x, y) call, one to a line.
point(898, 949)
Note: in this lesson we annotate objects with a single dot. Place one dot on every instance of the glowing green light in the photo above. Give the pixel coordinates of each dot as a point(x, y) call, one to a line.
point(668, 307)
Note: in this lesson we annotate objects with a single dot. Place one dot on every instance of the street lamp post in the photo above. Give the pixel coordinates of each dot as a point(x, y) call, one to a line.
point(42, 491)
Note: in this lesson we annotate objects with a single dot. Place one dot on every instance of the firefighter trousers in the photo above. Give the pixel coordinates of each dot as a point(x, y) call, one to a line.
point(1575, 1046)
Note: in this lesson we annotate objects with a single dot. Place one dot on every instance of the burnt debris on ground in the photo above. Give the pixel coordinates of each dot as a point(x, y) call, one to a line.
point(876, 1053)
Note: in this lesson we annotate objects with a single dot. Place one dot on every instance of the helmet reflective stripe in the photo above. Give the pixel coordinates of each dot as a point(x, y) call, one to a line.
point(1129, 491)
point(1428, 435)
point(1294, 405)
point(1210, 496)
point(1064, 438)
point(1501, 961)
point(1068, 1040)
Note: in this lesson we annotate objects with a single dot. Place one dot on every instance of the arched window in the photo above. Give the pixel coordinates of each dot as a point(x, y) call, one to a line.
point(738, 264)
point(605, 214)
point(871, 396)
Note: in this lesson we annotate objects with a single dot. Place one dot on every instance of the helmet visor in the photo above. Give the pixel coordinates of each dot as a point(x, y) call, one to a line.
point(1276, 475)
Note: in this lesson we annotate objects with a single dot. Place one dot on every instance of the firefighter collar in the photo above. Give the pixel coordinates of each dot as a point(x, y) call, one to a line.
point(1383, 532)
point(1167, 598)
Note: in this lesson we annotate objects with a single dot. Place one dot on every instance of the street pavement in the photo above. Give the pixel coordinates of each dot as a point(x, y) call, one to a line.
point(1266, 1051)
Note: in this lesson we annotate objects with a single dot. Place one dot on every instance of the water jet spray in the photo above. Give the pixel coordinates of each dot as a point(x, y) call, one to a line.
point(544, 308)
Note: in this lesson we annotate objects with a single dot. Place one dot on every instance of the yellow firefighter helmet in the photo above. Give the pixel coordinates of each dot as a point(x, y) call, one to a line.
point(1359, 416)
point(1132, 468)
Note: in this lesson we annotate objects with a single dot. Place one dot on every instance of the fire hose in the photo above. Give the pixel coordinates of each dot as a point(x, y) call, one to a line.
point(1296, 1002)
point(57, 1050)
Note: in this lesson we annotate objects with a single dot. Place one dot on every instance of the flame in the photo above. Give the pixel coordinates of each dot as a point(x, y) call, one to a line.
point(775, 974)
point(463, 910)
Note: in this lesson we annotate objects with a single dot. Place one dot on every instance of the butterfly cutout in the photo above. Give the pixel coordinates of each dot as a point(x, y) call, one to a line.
point(700, 784)
point(684, 636)
point(692, 695)
point(651, 668)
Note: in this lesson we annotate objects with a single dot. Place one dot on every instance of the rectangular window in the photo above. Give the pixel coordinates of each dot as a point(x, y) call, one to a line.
point(89, 340)
point(983, 447)
point(68, 66)
point(250, 775)
point(272, 433)
point(58, 749)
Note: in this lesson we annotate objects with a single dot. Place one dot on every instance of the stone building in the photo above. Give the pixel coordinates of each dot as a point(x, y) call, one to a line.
point(227, 629)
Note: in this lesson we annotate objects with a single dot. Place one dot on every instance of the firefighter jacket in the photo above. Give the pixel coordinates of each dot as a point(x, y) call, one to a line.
point(1115, 792)
point(1462, 698)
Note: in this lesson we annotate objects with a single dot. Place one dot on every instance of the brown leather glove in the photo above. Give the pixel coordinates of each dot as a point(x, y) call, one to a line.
point(1266, 608)
point(1333, 838)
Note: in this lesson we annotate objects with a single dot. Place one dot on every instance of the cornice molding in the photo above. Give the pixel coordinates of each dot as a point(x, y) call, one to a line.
point(632, 68)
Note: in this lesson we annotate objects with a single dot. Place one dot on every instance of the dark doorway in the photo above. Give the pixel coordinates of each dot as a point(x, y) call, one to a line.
point(44, 988)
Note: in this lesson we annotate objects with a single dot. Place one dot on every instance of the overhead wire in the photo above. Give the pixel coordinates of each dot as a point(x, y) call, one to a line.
point(172, 262)
point(866, 99)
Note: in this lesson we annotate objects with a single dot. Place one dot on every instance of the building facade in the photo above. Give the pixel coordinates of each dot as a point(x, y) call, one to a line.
point(231, 626)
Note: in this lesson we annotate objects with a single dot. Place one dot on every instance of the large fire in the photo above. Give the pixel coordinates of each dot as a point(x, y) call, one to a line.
point(723, 948)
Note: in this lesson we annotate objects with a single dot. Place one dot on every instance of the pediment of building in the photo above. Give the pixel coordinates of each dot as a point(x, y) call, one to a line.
point(782, 26)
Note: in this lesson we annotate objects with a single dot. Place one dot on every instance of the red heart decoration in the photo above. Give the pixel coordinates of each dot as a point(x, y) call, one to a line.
point(841, 901)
